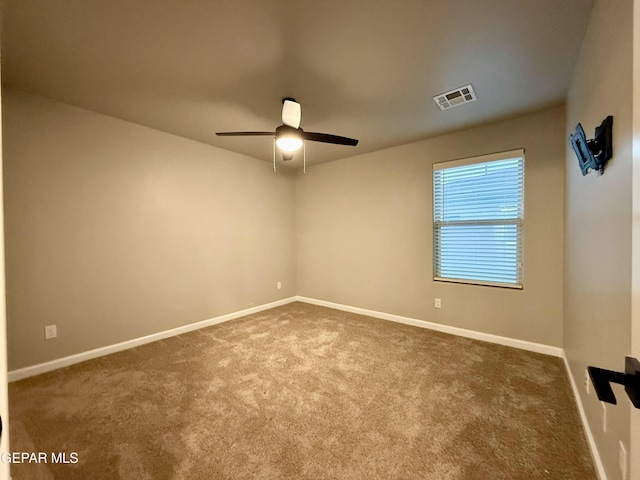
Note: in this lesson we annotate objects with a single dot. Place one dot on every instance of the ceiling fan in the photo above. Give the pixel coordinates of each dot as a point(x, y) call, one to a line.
point(289, 137)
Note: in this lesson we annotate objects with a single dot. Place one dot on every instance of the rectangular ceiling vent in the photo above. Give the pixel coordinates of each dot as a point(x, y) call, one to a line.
point(455, 97)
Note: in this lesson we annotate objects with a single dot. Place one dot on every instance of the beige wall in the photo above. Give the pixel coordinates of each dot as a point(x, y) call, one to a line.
point(116, 231)
point(364, 232)
point(597, 287)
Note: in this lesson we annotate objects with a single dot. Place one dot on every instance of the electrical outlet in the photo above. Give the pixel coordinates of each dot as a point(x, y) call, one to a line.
point(604, 417)
point(438, 303)
point(279, 285)
point(50, 331)
point(586, 381)
point(623, 461)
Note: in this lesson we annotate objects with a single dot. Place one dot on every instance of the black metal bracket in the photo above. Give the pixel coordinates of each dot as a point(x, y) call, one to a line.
point(593, 154)
point(602, 379)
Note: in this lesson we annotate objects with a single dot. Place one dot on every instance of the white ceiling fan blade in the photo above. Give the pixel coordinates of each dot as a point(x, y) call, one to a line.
point(291, 113)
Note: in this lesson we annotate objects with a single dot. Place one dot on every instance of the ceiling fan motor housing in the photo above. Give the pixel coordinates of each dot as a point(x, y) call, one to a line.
point(287, 131)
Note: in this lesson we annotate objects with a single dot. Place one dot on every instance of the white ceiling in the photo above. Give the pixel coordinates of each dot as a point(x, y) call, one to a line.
point(360, 68)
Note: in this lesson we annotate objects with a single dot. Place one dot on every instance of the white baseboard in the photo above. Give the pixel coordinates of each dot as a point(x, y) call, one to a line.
point(595, 455)
point(102, 351)
point(461, 332)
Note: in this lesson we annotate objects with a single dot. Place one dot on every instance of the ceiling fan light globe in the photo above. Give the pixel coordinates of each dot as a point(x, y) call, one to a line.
point(289, 144)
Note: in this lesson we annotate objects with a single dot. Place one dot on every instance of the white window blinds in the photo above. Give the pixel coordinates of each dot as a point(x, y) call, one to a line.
point(478, 212)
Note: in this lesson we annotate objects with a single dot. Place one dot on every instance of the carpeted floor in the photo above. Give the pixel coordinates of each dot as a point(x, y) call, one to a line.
point(304, 392)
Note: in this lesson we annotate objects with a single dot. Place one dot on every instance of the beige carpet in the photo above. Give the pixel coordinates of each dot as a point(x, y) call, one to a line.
point(305, 392)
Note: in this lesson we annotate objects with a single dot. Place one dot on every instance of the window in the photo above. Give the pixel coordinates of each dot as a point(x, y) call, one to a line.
point(478, 212)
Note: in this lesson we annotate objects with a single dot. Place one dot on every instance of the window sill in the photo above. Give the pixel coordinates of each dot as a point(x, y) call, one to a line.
point(511, 286)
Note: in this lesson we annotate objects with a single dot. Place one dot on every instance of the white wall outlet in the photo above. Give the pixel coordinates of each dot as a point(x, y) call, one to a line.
point(438, 303)
point(587, 381)
point(279, 285)
point(50, 331)
point(604, 417)
point(623, 461)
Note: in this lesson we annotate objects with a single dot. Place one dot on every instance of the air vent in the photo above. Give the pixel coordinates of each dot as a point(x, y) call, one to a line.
point(455, 97)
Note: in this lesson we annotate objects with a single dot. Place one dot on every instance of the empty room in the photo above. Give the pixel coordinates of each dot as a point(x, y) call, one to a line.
point(284, 239)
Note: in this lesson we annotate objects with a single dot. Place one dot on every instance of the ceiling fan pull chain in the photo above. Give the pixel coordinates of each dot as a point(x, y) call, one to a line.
point(274, 155)
point(304, 158)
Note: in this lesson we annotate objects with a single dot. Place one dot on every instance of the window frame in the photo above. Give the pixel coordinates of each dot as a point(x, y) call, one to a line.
point(517, 221)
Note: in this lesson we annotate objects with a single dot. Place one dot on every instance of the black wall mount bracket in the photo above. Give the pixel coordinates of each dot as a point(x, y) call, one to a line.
point(593, 154)
point(602, 380)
